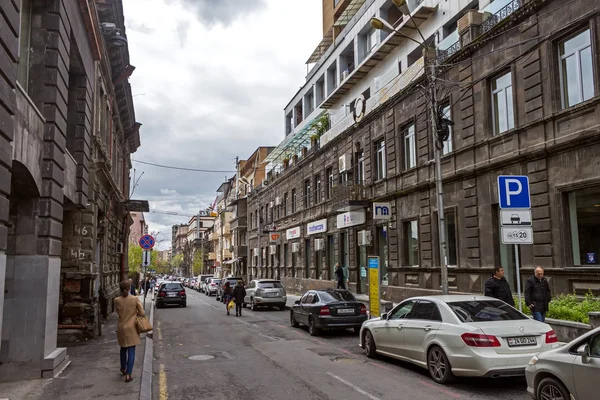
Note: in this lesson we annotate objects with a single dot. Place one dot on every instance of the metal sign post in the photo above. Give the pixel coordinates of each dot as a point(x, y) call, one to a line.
point(374, 282)
point(515, 217)
point(146, 257)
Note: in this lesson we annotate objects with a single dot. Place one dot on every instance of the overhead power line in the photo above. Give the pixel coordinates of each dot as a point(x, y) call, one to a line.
point(182, 168)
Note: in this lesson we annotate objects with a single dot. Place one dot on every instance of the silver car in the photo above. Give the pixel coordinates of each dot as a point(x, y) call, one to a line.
point(265, 293)
point(567, 373)
point(460, 335)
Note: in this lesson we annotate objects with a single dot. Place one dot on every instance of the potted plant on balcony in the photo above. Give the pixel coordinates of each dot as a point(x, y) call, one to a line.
point(319, 128)
point(294, 159)
point(286, 162)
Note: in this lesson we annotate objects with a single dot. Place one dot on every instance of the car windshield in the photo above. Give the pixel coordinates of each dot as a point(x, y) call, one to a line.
point(484, 311)
point(270, 285)
point(336, 295)
point(172, 286)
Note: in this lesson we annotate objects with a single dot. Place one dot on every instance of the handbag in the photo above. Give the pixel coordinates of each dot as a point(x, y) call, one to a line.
point(142, 325)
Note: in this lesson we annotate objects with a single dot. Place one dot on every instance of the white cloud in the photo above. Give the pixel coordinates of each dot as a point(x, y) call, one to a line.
point(169, 192)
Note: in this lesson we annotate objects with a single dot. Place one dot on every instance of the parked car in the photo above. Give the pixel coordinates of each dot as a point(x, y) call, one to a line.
point(202, 281)
point(158, 283)
point(232, 282)
point(171, 293)
point(569, 372)
point(462, 335)
point(192, 283)
point(211, 286)
point(265, 292)
point(328, 309)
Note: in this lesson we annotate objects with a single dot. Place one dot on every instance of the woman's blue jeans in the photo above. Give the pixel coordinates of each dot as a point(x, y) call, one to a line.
point(127, 359)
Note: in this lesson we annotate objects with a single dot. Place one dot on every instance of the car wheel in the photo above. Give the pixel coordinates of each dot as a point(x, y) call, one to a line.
point(184, 304)
point(551, 388)
point(370, 348)
point(293, 321)
point(312, 329)
point(439, 366)
point(252, 305)
point(356, 330)
point(158, 305)
point(282, 307)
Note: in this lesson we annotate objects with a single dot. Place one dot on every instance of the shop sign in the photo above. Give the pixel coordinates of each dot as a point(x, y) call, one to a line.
point(293, 233)
point(315, 227)
point(275, 237)
point(351, 218)
point(382, 211)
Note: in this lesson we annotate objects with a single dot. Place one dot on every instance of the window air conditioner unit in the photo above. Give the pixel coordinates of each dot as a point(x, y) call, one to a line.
point(345, 163)
point(364, 238)
point(264, 253)
point(319, 244)
point(272, 249)
point(277, 201)
point(120, 248)
point(271, 204)
point(295, 247)
point(255, 252)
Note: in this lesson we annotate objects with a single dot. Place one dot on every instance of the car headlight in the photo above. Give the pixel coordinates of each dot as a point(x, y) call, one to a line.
point(533, 360)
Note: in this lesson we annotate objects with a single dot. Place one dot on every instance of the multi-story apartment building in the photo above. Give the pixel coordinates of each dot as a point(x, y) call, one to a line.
point(138, 228)
point(67, 129)
point(221, 235)
point(520, 81)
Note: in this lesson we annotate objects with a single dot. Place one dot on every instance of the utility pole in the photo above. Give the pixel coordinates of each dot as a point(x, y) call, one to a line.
point(431, 59)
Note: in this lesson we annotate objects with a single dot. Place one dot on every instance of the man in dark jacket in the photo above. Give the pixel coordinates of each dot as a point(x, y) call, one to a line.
point(537, 294)
point(239, 293)
point(497, 287)
point(339, 276)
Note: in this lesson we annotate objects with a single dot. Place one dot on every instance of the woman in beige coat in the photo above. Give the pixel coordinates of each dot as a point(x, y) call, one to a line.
point(128, 308)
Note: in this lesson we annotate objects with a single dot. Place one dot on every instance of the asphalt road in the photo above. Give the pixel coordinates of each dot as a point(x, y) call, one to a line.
point(201, 353)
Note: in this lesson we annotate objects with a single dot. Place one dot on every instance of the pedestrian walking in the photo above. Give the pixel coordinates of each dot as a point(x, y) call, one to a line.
point(239, 293)
point(128, 308)
point(339, 276)
point(346, 277)
point(227, 295)
point(497, 287)
point(132, 288)
point(537, 294)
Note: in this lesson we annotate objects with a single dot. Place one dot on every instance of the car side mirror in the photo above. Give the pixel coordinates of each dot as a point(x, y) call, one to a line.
point(297, 302)
point(384, 317)
point(584, 352)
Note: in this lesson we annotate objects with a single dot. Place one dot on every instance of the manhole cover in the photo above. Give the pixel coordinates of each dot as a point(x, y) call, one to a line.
point(203, 357)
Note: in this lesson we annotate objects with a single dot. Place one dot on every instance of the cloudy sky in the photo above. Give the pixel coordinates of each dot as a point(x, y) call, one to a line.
point(211, 80)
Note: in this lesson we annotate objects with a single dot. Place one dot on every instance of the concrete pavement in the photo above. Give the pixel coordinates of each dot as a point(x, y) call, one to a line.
point(203, 354)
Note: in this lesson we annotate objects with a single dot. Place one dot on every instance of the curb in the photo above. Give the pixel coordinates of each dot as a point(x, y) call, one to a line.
point(146, 386)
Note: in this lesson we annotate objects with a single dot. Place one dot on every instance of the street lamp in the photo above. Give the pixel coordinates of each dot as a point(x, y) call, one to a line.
point(430, 53)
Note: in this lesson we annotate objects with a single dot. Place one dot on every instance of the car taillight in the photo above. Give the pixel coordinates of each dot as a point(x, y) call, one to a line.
point(182, 292)
point(363, 309)
point(161, 294)
point(213, 284)
point(551, 337)
point(477, 340)
point(324, 310)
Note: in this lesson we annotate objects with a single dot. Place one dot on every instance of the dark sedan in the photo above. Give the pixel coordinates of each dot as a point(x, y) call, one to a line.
point(328, 309)
point(171, 293)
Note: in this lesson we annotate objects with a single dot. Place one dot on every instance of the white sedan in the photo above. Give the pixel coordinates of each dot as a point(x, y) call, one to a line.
point(458, 335)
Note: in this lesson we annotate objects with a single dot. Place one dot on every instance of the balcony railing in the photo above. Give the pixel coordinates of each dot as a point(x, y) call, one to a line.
point(504, 12)
point(344, 194)
point(212, 255)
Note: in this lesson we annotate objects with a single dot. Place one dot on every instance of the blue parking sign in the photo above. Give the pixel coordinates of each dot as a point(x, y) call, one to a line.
point(591, 258)
point(513, 191)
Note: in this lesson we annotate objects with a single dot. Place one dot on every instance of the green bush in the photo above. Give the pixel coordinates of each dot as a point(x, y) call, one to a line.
point(569, 307)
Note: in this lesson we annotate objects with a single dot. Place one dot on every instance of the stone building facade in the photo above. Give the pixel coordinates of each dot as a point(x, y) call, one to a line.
point(50, 263)
point(519, 107)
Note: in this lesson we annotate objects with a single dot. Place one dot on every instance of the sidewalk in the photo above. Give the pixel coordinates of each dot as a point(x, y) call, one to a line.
point(93, 372)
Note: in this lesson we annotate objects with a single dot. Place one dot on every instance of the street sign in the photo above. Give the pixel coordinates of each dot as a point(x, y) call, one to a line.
point(515, 217)
point(513, 191)
point(146, 256)
point(147, 242)
point(591, 258)
point(517, 235)
point(374, 295)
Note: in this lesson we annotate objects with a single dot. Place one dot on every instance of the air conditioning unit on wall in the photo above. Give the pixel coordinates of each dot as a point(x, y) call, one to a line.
point(255, 252)
point(272, 249)
point(295, 247)
point(345, 163)
point(319, 244)
point(277, 201)
point(364, 238)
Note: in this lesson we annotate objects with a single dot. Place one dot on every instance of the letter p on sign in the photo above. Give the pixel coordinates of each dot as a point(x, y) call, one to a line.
point(513, 192)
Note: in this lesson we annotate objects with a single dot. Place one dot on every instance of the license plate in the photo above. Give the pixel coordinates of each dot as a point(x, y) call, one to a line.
point(171, 294)
point(272, 294)
point(346, 311)
point(522, 341)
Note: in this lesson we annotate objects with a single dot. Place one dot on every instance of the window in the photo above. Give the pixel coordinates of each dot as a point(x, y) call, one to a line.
point(317, 198)
point(576, 69)
point(307, 258)
point(330, 296)
point(450, 219)
point(24, 44)
point(447, 143)
point(284, 205)
point(402, 310)
point(425, 310)
point(270, 285)
point(360, 166)
point(484, 311)
point(502, 104)
point(411, 243)
point(329, 188)
point(307, 193)
point(294, 200)
point(371, 40)
point(380, 166)
point(331, 255)
point(410, 147)
point(584, 216)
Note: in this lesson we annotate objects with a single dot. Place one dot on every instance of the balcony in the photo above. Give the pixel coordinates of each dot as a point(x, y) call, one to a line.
point(227, 229)
point(348, 196)
point(212, 255)
point(213, 237)
point(240, 222)
point(241, 251)
point(226, 254)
